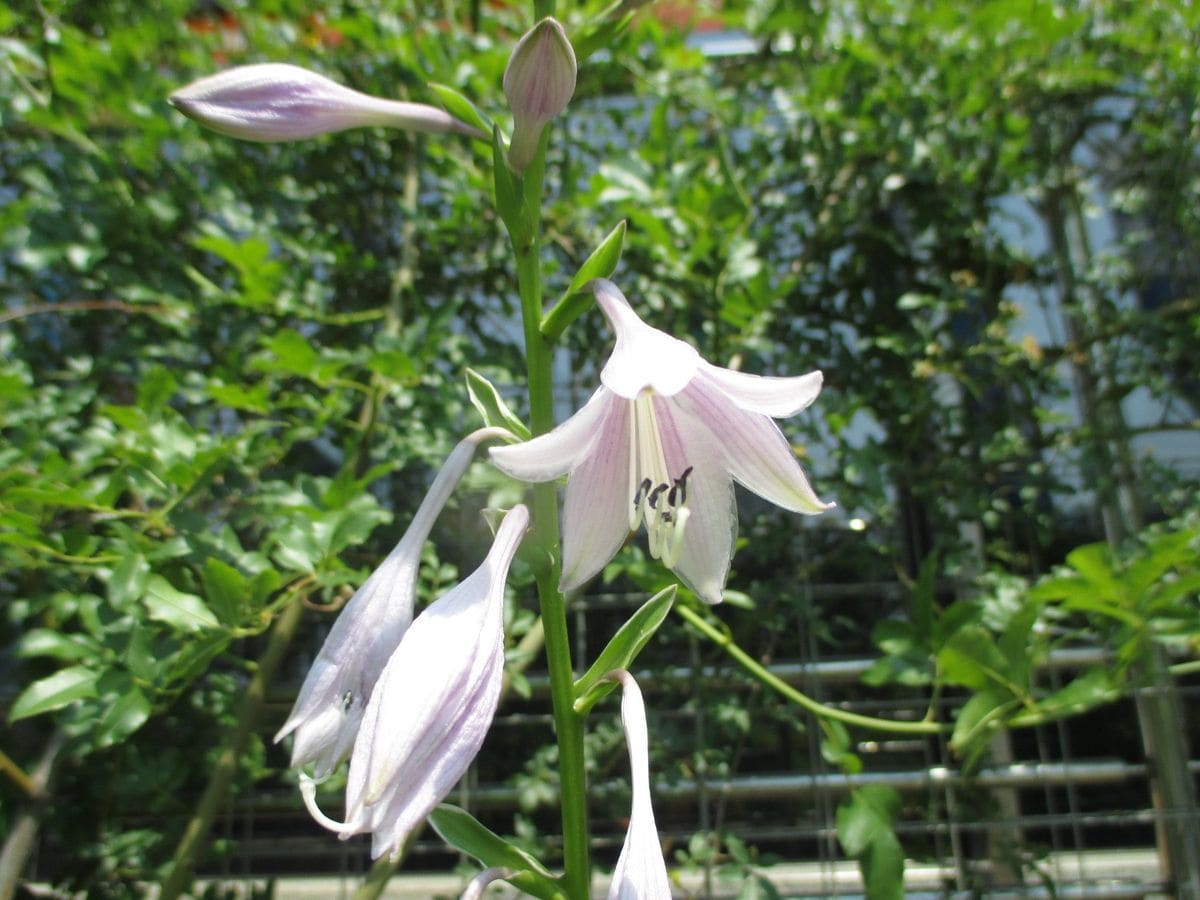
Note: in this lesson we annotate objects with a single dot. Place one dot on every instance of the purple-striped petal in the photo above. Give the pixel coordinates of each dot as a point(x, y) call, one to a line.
point(271, 102)
point(555, 453)
point(775, 397)
point(595, 513)
point(643, 357)
point(330, 705)
point(432, 706)
point(711, 530)
point(753, 449)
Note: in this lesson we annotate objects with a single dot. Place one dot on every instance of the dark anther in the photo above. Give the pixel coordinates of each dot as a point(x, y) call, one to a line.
point(668, 517)
point(653, 498)
point(680, 489)
point(642, 490)
point(347, 701)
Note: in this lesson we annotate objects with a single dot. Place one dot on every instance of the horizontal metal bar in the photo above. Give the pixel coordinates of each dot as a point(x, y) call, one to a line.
point(835, 671)
point(766, 787)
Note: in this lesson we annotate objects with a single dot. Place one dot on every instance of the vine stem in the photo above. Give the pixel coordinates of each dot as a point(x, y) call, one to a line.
point(755, 668)
point(567, 725)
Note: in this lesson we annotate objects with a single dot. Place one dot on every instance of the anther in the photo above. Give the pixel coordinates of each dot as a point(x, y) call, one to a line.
point(347, 701)
point(642, 490)
point(653, 498)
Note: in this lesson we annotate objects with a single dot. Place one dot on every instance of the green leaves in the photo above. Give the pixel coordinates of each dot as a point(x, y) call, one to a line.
point(865, 830)
point(460, 829)
point(621, 651)
point(54, 692)
point(491, 406)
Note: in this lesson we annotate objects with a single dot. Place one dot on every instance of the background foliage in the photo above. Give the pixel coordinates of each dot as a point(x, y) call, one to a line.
point(226, 369)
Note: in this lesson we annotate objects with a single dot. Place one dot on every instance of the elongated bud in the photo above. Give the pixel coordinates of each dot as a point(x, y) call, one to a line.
point(539, 83)
point(273, 102)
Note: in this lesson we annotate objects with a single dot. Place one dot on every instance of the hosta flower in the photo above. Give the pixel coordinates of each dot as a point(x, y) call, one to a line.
point(538, 82)
point(641, 873)
point(335, 692)
point(660, 443)
point(271, 102)
point(431, 707)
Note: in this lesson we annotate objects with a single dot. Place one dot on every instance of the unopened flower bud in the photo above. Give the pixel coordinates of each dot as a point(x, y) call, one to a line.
point(272, 102)
point(539, 82)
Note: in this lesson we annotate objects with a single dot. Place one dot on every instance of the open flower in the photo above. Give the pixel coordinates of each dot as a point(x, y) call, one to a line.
point(271, 102)
point(431, 707)
point(335, 692)
point(641, 873)
point(661, 443)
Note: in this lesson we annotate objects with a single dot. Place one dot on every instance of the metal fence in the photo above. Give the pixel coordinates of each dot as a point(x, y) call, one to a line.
point(1060, 810)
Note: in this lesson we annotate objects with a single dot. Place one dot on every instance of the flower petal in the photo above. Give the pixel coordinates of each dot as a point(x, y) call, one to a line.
point(433, 703)
point(553, 454)
point(330, 705)
point(644, 357)
point(711, 529)
point(775, 397)
point(754, 450)
point(595, 517)
point(641, 873)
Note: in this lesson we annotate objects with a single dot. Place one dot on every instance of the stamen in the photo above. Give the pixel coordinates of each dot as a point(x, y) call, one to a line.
point(347, 701)
point(659, 501)
point(673, 549)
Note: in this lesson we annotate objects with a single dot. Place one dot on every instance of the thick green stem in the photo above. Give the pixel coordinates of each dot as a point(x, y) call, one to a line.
point(751, 665)
point(195, 835)
point(567, 725)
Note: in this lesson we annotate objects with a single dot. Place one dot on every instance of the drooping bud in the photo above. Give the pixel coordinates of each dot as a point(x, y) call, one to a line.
point(539, 82)
point(431, 707)
point(334, 697)
point(641, 873)
point(271, 102)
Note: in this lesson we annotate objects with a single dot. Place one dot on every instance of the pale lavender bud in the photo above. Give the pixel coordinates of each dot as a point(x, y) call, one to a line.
point(641, 873)
point(539, 82)
point(331, 703)
point(431, 707)
point(272, 102)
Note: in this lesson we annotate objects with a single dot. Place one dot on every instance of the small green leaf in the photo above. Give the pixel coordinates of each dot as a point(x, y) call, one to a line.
point(509, 192)
point(54, 692)
point(460, 829)
point(127, 582)
point(624, 647)
point(186, 612)
point(1090, 689)
point(225, 590)
point(865, 830)
point(978, 720)
point(601, 264)
point(67, 648)
point(1094, 562)
point(491, 406)
point(461, 108)
point(156, 389)
point(126, 715)
point(972, 659)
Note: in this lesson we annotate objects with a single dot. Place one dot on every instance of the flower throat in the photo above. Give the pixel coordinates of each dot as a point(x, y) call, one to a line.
point(658, 499)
